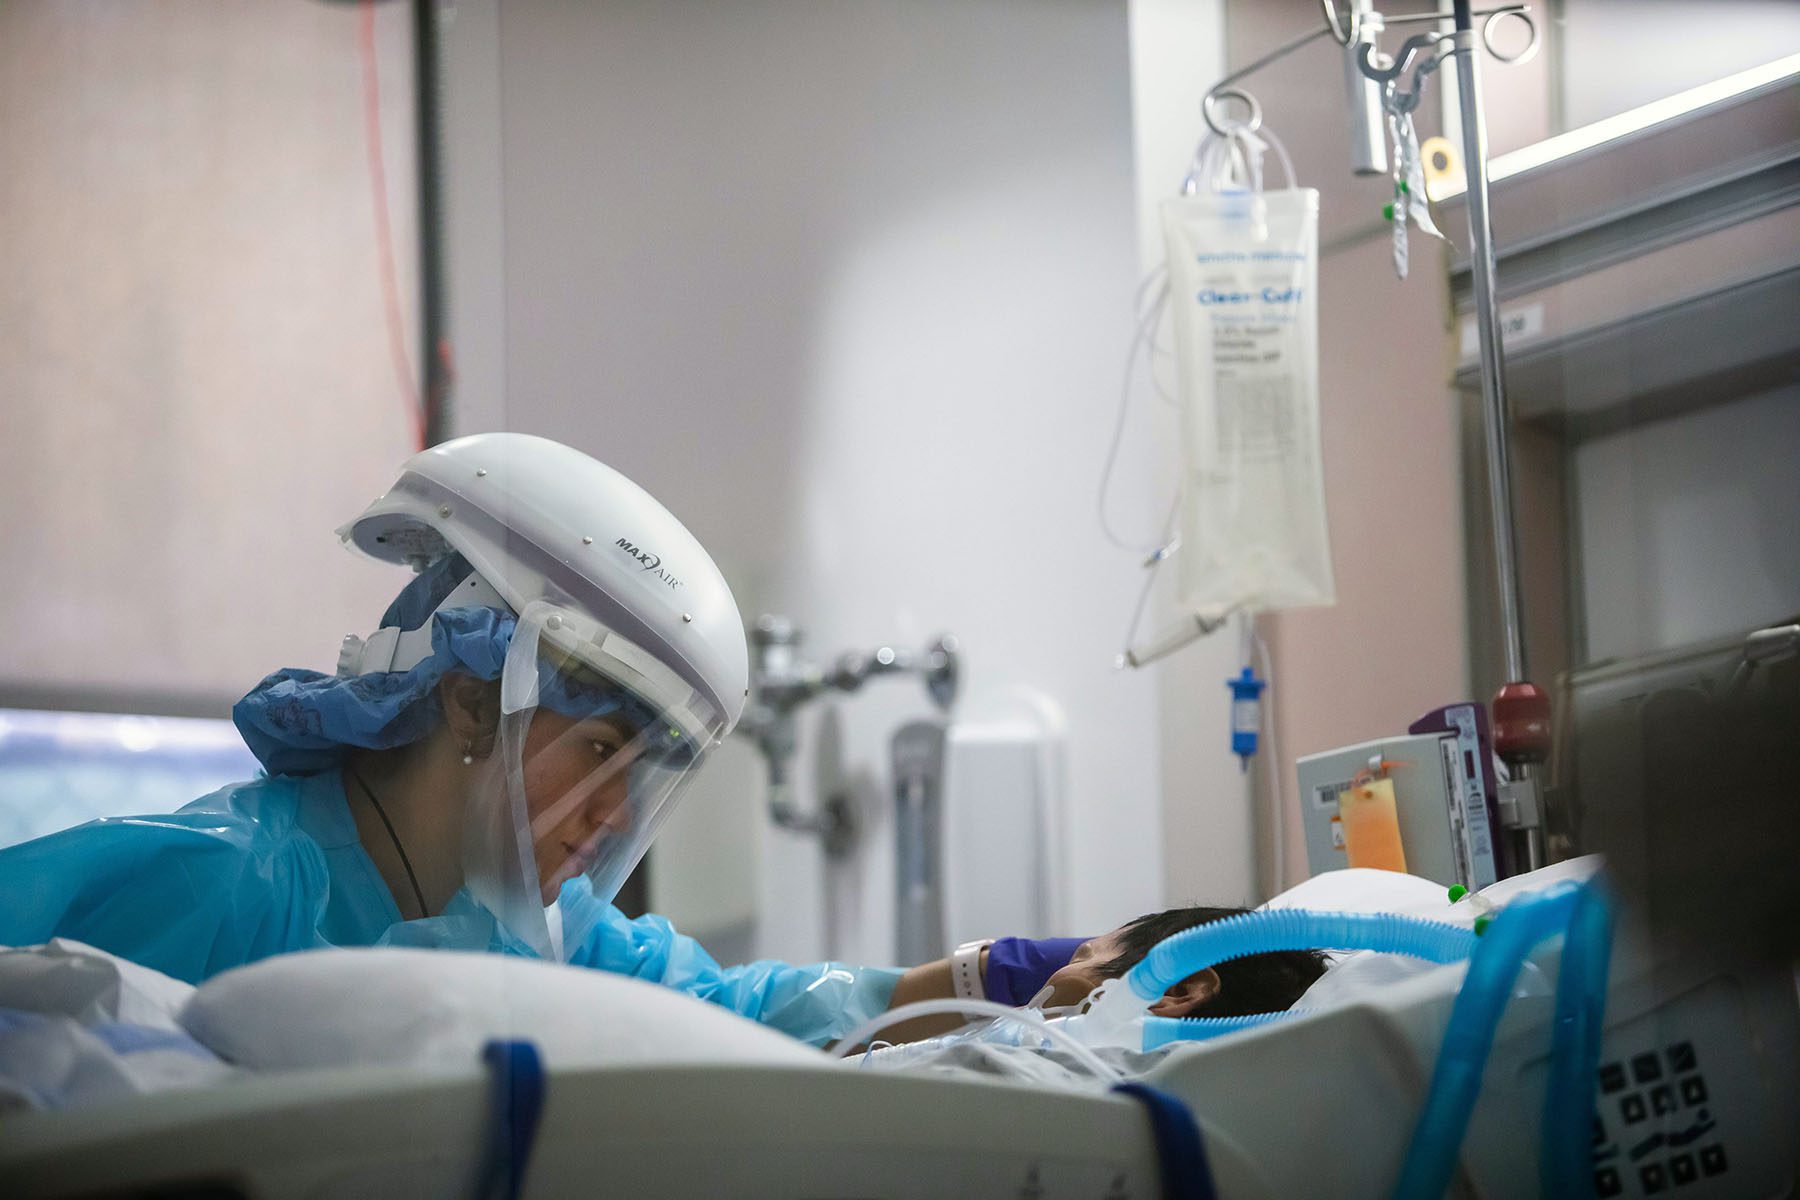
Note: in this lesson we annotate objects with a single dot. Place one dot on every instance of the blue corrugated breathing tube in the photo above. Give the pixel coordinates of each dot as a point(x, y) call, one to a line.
point(1175, 958)
point(1579, 910)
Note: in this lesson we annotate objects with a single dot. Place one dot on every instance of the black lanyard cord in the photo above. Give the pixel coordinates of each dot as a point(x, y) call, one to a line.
point(411, 878)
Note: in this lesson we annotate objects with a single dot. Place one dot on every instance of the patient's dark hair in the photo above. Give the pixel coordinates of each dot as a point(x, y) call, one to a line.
point(1253, 984)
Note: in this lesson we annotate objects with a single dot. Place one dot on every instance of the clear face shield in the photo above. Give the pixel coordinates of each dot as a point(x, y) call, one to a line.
point(596, 743)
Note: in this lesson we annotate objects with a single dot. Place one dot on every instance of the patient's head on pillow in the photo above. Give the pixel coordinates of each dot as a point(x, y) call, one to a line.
point(1259, 983)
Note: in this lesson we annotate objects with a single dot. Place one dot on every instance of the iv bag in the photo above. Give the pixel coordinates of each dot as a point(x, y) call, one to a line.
point(1243, 281)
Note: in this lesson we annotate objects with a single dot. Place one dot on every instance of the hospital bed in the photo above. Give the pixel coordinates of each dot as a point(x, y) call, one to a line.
point(1696, 1092)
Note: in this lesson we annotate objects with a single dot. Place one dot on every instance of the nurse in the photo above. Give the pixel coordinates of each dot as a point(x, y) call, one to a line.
point(481, 773)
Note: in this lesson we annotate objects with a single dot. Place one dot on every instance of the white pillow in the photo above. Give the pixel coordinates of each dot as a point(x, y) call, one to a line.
point(393, 1006)
point(1360, 889)
point(1357, 889)
point(1365, 890)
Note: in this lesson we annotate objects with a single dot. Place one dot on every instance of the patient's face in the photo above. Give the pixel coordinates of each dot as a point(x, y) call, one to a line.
point(1082, 975)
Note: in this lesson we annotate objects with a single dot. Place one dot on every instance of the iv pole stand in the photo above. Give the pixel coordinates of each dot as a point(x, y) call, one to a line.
point(1521, 709)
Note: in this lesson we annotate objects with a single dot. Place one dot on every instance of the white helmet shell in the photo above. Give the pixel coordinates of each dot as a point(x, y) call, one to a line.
point(541, 521)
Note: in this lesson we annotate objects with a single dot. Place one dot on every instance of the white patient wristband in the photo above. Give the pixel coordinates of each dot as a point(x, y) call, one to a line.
point(965, 970)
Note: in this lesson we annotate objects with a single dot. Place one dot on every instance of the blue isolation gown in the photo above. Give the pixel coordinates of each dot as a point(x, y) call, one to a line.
point(275, 865)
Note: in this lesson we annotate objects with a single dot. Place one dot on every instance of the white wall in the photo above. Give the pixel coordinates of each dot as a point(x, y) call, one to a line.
point(1208, 829)
point(848, 285)
point(196, 384)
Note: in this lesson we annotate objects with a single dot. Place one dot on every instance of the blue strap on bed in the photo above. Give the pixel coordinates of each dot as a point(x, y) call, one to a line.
point(1180, 1154)
point(516, 1074)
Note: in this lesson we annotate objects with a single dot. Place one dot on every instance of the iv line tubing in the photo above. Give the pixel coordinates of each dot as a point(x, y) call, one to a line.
point(1272, 763)
point(1147, 321)
point(987, 1008)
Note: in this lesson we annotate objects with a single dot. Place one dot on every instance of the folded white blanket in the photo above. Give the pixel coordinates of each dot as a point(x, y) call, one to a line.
point(79, 1026)
point(72, 979)
point(49, 1062)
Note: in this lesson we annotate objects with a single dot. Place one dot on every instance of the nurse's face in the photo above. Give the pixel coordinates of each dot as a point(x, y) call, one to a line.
point(576, 774)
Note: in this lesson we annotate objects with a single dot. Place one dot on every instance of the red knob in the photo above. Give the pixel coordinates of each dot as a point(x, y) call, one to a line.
point(1522, 723)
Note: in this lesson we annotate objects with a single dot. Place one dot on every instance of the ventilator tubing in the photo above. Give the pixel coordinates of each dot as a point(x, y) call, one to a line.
point(1160, 1031)
point(1582, 910)
point(1117, 1015)
point(1175, 958)
point(1575, 1046)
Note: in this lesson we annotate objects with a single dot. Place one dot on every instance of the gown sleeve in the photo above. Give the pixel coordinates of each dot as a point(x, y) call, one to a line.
point(189, 894)
point(815, 1003)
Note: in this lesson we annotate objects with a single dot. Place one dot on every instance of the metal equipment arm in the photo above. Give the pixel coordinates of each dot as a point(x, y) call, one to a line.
point(782, 681)
point(1364, 23)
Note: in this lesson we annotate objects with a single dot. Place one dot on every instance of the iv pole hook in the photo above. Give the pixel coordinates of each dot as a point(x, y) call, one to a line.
point(1402, 57)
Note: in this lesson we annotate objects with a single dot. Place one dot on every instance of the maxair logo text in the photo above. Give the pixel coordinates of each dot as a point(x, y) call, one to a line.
point(649, 562)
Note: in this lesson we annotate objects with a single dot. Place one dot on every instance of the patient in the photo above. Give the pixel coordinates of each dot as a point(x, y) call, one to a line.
point(1257, 983)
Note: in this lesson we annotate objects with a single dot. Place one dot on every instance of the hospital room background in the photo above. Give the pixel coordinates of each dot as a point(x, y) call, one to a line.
point(850, 286)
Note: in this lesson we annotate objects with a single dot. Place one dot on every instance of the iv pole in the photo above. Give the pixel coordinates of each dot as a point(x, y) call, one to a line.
point(1520, 709)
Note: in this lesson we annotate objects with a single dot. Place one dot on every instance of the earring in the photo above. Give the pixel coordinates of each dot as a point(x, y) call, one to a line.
point(468, 754)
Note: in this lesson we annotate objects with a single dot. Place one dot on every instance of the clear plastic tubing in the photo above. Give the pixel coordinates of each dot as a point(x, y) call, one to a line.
point(988, 1008)
point(1175, 958)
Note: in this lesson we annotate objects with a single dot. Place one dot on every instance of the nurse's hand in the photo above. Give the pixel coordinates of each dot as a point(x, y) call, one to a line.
point(1013, 971)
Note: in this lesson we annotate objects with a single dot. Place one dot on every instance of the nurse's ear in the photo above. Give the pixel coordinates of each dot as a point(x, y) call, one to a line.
point(1186, 997)
point(471, 710)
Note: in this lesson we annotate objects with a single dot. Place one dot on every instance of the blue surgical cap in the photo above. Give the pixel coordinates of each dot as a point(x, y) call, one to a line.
point(300, 722)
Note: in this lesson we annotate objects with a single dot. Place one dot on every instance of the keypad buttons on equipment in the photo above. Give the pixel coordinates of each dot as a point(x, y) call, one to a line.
point(1681, 1169)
